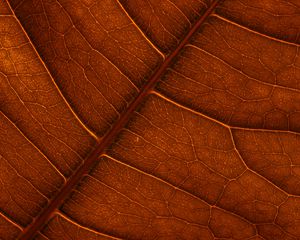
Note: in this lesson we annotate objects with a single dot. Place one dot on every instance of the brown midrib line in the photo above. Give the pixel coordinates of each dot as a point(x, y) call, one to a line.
point(41, 220)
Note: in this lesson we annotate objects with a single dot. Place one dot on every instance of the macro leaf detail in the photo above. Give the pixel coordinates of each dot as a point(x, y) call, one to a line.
point(149, 119)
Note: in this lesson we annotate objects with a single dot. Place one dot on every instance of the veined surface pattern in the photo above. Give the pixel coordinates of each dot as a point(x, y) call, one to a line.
point(148, 119)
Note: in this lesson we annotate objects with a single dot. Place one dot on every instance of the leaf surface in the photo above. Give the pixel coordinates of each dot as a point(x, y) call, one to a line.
point(149, 119)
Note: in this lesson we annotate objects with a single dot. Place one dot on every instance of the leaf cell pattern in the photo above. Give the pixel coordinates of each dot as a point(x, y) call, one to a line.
point(146, 119)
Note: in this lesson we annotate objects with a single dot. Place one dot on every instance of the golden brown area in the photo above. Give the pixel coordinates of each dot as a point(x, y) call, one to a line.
point(60, 227)
point(83, 42)
point(276, 18)
point(165, 22)
point(238, 76)
point(183, 148)
point(147, 119)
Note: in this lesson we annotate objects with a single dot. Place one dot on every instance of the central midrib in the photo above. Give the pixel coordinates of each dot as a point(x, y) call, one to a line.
point(56, 202)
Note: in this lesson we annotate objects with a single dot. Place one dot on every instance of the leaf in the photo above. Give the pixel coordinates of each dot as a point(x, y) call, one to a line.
point(134, 119)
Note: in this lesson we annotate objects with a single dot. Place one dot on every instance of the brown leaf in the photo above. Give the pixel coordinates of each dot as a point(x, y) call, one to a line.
point(148, 119)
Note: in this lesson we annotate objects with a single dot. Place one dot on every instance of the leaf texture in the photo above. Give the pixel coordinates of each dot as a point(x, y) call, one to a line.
point(147, 119)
